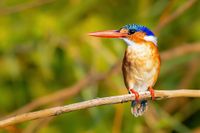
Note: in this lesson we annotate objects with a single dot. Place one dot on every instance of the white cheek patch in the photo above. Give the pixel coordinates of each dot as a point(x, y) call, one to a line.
point(151, 39)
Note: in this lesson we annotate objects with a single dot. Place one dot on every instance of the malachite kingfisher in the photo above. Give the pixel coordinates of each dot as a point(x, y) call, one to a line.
point(141, 63)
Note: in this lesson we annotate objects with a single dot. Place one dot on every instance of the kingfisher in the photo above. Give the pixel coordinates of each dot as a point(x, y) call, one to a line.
point(141, 62)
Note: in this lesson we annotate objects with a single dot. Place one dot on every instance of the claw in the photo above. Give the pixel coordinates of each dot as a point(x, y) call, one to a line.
point(151, 90)
point(136, 94)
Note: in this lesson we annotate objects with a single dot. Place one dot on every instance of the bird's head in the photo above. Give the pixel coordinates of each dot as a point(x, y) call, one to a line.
point(131, 33)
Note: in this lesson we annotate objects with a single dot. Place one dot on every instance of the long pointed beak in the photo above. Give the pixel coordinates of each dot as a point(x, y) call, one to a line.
point(108, 34)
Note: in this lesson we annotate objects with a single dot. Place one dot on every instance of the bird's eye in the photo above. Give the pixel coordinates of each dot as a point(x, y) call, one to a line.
point(131, 31)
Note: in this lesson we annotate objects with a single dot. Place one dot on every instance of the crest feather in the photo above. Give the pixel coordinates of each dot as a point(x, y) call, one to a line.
point(137, 28)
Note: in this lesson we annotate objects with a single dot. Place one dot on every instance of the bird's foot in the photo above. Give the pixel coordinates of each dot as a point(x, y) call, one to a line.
point(151, 90)
point(132, 91)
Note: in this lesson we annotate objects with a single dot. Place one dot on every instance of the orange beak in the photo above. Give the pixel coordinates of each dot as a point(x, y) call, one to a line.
point(108, 34)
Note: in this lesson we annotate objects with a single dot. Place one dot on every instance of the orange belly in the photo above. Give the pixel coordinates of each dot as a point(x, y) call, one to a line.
point(141, 66)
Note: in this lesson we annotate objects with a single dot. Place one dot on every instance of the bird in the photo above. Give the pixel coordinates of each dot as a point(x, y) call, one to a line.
point(141, 62)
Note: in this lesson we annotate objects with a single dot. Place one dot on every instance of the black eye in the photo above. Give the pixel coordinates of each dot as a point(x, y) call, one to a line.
point(131, 31)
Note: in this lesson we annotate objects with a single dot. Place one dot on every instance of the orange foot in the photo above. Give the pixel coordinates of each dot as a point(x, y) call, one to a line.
point(151, 90)
point(136, 94)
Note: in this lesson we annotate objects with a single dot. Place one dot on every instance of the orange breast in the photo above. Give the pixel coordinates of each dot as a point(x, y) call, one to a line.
point(141, 66)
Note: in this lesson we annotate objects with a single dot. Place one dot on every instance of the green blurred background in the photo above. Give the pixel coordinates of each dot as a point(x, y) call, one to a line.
point(44, 48)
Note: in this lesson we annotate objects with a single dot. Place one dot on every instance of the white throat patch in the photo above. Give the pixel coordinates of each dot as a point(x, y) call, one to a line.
point(129, 42)
point(152, 39)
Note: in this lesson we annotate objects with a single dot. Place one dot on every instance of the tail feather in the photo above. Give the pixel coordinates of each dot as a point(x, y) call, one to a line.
point(138, 108)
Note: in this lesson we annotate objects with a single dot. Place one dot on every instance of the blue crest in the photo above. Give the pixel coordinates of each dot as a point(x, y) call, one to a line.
point(136, 28)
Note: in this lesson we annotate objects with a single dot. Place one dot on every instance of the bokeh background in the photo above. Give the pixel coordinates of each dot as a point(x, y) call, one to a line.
point(47, 59)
